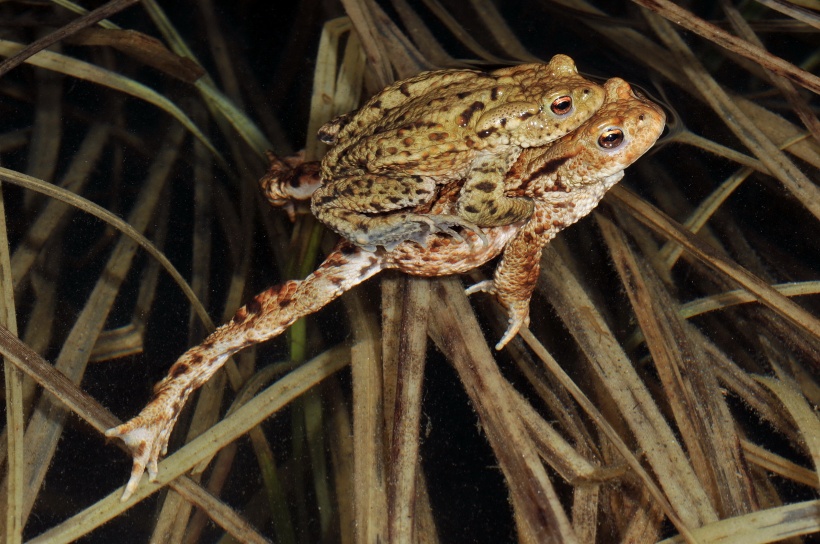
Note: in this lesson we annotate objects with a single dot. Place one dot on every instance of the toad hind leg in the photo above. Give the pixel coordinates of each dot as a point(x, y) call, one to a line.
point(482, 200)
point(371, 210)
point(269, 314)
point(369, 231)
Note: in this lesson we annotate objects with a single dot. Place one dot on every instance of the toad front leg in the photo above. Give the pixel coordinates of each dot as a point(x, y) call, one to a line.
point(482, 200)
point(516, 276)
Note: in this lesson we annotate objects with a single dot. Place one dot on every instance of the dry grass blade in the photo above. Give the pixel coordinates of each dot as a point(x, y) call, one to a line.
point(555, 450)
point(454, 26)
point(798, 104)
point(764, 292)
point(803, 414)
point(538, 520)
point(740, 296)
point(777, 163)
point(777, 464)
point(370, 491)
point(55, 212)
point(680, 16)
point(111, 219)
point(691, 387)
point(15, 414)
point(145, 49)
point(400, 327)
point(792, 9)
point(326, 82)
point(269, 401)
point(427, 42)
point(46, 425)
point(237, 527)
point(672, 251)
point(688, 503)
point(215, 99)
point(404, 439)
point(361, 16)
point(772, 525)
point(95, 74)
point(501, 32)
point(89, 19)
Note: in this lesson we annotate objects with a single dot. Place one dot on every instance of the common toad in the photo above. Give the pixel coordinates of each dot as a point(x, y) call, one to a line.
point(565, 180)
point(395, 153)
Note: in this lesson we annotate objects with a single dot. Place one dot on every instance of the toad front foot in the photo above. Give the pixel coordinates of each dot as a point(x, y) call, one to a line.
point(518, 311)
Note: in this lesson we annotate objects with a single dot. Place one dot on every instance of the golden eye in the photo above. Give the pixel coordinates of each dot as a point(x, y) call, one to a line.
point(561, 105)
point(611, 138)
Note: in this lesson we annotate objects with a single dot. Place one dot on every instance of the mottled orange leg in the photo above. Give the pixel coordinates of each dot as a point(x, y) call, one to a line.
point(269, 314)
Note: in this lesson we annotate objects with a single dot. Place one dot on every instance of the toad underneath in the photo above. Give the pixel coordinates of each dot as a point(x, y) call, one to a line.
point(564, 181)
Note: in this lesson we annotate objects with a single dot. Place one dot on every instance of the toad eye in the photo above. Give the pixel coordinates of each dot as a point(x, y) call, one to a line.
point(611, 138)
point(561, 105)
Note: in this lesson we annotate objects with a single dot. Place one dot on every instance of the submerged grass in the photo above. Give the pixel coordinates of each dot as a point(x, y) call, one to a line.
point(666, 390)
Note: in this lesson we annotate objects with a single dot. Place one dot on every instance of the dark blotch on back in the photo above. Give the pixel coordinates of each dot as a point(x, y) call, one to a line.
point(467, 114)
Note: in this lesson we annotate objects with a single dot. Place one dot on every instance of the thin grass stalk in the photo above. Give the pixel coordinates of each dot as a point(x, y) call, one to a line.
point(746, 131)
point(47, 132)
point(14, 433)
point(89, 19)
point(457, 334)
point(690, 387)
point(403, 460)
point(683, 499)
point(55, 213)
point(89, 72)
point(672, 12)
point(657, 220)
point(369, 477)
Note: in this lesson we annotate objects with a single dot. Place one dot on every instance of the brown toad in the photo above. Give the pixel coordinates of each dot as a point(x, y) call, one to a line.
point(395, 153)
point(565, 180)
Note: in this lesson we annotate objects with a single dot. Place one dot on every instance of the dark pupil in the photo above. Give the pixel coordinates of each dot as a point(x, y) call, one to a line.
point(611, 138)
point(561, 105)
